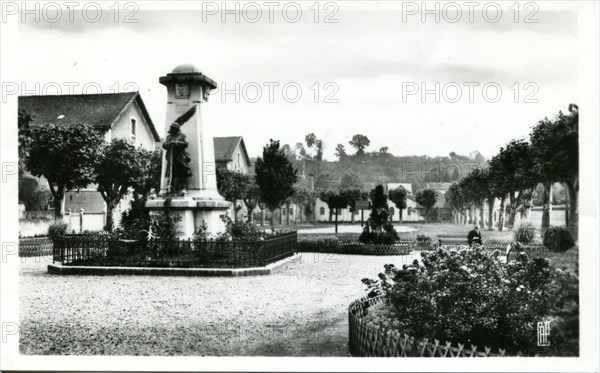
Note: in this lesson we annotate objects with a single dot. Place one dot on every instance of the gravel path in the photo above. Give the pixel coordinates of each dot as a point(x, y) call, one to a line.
point(349, 229)
point(300, 311)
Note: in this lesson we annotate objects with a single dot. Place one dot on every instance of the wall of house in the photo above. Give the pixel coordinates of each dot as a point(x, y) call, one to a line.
point(322, 213)
point(122, 129)
point(238, 161)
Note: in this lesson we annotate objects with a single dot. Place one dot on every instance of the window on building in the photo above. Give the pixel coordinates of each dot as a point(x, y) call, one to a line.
point(322, 210)
point(133, 130)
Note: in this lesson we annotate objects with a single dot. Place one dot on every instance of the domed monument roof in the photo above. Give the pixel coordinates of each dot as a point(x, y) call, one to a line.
point(186, 68)
point(187, 73)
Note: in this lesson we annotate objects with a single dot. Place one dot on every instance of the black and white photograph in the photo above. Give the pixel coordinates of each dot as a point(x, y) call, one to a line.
point(300, 185)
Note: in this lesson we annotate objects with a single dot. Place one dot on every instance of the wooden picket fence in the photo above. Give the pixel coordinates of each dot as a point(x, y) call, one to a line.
point(375, 341)
point(35, 246)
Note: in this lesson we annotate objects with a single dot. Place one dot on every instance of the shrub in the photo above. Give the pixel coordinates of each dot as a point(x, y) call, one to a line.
point(319, 244)
point(558, 239)
point(470, 297)
point(524, 232)
point(135, 221)
point(241, 230)
point(424, 241)
point(57, 230)
point(164, 226)
point(385, 237)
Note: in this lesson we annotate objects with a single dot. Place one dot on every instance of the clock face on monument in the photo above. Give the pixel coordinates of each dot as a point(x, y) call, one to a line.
point(182, 90)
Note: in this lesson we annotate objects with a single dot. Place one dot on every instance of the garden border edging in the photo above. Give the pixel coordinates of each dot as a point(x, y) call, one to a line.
point(59, 269)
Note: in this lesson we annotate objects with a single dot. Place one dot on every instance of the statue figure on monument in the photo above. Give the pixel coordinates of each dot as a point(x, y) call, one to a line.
point(178, 159)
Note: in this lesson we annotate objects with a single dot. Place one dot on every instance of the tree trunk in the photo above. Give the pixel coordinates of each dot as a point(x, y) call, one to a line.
point(481, 218)
point(330, 214)
point(400, 212)
point(287, 214)
point(513, 209)
point(501, 214)
point(352, 216)
point(262, 217)
point(546, 205)
point(273, 219)
point(110, 206)
point(296, 213)
point(573, 222)
point(491, 214)
point(336, 220)
point(58, 196)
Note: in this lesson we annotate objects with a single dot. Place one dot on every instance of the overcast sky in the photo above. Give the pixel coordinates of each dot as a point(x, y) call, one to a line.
point(368, 56)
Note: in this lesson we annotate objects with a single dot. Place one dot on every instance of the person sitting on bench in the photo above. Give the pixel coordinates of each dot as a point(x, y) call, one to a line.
point(474, 236)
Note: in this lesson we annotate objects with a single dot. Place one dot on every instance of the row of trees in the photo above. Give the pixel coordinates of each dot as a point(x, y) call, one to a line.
point(74, 156)
point(551, 154)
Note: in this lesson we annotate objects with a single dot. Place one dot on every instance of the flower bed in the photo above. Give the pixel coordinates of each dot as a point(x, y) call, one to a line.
point(335, 246)
point(374, 332)
point(111, 251)
point(471, 297)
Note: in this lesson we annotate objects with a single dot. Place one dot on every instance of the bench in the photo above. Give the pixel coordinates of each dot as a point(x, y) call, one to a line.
point(445, 239)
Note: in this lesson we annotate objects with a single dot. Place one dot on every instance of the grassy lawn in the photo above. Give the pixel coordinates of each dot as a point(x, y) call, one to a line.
point(428, 229)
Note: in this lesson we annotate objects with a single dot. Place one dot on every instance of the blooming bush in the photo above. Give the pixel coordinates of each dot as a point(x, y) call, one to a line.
point(472, 297)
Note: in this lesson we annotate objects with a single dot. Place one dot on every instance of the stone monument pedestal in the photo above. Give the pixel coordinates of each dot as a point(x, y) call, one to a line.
point(193, 213)
point(199, 201)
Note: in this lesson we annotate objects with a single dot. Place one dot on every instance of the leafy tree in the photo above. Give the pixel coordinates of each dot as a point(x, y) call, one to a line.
point(340, 152)
point(120, 167)
point(351, 180)
point(233, 185)
point(379, 228)
point(360, 142)
point(427, 198)
point(473, 190)
point(275, 177)
point(520, 177)
point(555, 146)
point(151, 176)
point(312, 142)
point(136, 219)
point(251, 198)
point(398, 197)
point(335, 200)
point(320, 147)
point(384, 150)
point(24, 139)
point(66, 156)
point(351, 195)
point(454, 200)
point(303, 197)
point(33, 193)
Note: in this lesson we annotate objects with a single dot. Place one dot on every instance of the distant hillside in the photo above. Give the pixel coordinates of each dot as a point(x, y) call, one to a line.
point(372, 169)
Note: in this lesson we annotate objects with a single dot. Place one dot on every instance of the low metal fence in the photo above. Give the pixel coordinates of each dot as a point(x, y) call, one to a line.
point(108, 251)
point(35, 246)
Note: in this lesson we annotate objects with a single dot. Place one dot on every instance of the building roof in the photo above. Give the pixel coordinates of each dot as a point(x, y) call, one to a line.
point(101, 111)
point(226, 146)
point(438, 186)
point(406, 186)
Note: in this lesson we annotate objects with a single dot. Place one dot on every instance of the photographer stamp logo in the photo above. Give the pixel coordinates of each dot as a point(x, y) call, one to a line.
point(543, 333)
